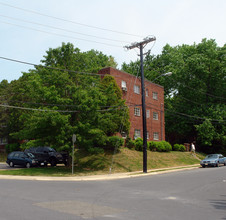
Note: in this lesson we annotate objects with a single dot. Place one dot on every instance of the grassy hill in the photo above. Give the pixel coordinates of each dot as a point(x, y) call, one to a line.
point(125, 161)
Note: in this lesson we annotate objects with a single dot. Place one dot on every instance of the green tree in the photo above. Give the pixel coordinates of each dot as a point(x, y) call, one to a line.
point(195, 92)
point(58, 101)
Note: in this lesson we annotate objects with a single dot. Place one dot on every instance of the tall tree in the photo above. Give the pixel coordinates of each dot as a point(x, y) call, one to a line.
point(59, 100)
point(194, 93)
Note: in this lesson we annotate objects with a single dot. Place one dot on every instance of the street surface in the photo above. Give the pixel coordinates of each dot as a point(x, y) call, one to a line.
point(184, 195)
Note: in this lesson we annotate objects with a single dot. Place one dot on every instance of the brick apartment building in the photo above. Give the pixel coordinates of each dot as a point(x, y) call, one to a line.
point(131, 88)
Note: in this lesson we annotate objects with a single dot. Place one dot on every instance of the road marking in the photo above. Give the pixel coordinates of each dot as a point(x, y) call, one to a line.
point(224, 181)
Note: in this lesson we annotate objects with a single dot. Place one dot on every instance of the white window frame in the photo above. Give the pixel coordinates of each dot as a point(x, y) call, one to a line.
point(137, 133)
point(146, 92)
point(147, 135)
point(3, 140)
point(148, 113)
point(136, 89)
point(155, 95)
point(155, 116)
point(155, 136)
point(123, 84)
point(136, 111)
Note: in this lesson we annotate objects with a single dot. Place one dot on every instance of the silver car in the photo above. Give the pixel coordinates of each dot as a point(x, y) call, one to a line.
point(213, 160)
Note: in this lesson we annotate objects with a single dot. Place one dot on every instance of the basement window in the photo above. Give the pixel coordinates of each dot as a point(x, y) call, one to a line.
point(156, 136)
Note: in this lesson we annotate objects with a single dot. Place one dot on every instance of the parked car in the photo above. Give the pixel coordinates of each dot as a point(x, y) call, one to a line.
point(213, 160)
point(21, 158)
point(46, 155)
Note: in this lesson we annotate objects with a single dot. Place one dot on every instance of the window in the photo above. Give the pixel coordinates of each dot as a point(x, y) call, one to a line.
point(147, 135)
point(136, 111)
point(123, 84)
point(146, 91)
point(155, 95)
point(3, 141)
point(137, 134)
point(148, 114)
point(156, 136)
point(155, 116)
point(136, 89)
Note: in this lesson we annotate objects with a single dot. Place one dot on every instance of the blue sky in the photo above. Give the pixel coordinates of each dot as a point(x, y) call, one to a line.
point(175, 22)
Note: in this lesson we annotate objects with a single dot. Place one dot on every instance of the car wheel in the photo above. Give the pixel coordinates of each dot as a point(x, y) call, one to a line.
point(217, 164)
point(11, 164)
point(203, 166)
point(28, 165)
point(53, 162)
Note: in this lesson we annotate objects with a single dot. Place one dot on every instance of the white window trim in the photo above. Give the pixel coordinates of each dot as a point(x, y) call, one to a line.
point(123, 84)
point(155, 116)
point(155, 136)
point(155, 95)
point(148, 113)
point(137, 111)
point(137, 133)
point(136, 89)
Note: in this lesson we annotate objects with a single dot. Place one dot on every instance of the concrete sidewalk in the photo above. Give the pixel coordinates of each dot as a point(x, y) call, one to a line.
point(112, 176)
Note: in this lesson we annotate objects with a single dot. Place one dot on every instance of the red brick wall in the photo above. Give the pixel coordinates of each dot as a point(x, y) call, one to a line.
point(135, 99)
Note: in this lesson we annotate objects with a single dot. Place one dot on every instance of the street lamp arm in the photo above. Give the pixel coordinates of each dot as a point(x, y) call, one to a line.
point(164, 74)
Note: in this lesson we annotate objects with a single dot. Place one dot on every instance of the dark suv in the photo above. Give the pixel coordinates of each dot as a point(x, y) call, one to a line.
point(47, 155)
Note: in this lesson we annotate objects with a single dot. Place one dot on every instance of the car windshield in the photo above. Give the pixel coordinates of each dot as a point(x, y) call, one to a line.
point(51, 149)
point(211, 156)
point(30, 155)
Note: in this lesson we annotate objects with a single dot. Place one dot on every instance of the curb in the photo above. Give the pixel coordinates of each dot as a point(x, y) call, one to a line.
point(101, 177)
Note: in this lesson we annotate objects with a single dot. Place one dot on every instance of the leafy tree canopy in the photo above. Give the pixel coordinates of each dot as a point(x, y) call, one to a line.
point(194, 93)
point(56, 102)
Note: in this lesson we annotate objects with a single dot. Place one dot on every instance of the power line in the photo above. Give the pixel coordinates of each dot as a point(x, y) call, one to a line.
point(60, 35)
point(200, 91)
point(49, 67)
point(65, 20)
point(61, 111)
point(62, 29)
point(196, 117)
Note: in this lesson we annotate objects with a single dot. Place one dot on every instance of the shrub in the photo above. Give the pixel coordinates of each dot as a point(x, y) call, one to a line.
point(130, 143)
point(114, 142)
point(139, 144)
point(152, 145)
point(160, 147)
point(167, 146)
point(179, 147)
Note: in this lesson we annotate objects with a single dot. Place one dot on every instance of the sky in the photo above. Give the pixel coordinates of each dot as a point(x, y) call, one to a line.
point(29, 28)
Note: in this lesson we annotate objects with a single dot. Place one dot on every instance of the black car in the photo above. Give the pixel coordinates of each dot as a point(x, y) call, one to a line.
point(46, 155)
point(21, 158)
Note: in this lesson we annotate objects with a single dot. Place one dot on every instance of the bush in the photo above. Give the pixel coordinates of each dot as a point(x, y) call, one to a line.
point(160, 146)
point(167, 146)
point(179, 147)
point(139, 144)
point(130, 143)
point(114, 142)
point(152, 145)
point(12, 147)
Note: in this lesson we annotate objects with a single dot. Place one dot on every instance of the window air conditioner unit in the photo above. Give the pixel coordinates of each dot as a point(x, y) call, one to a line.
point(124, 89)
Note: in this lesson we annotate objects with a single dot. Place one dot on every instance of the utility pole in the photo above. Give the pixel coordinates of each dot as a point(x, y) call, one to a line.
point(141, 46)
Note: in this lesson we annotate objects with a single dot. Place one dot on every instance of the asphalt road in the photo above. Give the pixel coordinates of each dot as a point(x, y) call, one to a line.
point(184, 195)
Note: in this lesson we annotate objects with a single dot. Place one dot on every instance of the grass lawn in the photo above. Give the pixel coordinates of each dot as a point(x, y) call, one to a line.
point(125, 161)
